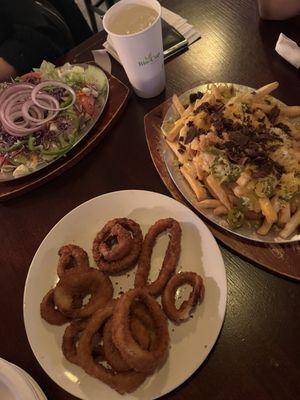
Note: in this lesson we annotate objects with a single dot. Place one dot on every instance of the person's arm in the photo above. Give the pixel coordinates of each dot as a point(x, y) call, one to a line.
point(27, 37)
point(6, 70)
point(278, 9)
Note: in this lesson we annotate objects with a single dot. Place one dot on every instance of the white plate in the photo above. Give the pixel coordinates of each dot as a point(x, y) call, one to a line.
point(13, 385)
point(191, 342)
point(40, 395)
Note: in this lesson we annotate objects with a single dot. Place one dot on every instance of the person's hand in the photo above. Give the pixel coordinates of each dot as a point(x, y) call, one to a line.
point(6, 70)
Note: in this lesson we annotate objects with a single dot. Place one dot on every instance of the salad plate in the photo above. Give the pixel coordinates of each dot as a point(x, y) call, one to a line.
point(81, 92)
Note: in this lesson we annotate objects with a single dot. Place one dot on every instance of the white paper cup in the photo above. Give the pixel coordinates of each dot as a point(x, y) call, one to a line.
point(141, 53)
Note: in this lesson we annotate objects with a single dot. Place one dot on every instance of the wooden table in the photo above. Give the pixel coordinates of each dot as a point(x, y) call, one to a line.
point(258, 353)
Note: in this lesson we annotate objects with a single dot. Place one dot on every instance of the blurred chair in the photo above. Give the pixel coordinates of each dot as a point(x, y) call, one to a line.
point(93, 8)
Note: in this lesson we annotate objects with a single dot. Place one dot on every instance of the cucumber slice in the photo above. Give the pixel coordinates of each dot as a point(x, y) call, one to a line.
point(96, 76)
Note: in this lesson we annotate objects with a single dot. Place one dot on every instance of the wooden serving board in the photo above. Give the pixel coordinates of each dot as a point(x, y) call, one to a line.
point(283, 259)
point(118, 96)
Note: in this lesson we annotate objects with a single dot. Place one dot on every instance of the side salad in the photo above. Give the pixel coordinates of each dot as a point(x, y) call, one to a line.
point(44, 113)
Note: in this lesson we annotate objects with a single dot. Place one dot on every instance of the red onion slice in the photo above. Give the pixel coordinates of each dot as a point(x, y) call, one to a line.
point(55, 84)
point(14, 88)
point(23, 107)
point(30, 104)
point(17, 115)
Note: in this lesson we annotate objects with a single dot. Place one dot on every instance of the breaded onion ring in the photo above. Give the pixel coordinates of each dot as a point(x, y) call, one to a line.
point(168, 296)
point(71, 258)
point(112, 354)
point(77, 285)
point(122, 382)
point(48, 311)
point(171, 257)
point(118, 244)
point(71, 336)
point(70, 339)
point(123, 254)
point(136, 357)
point(140, 333)
point(141, 312)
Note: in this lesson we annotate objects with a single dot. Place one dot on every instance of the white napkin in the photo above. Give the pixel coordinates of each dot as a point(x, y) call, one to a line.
point(102, 59)
point(175, 20)
point(289, 50)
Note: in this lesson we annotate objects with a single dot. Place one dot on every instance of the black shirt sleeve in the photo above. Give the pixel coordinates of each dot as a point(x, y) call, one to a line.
point(26, 48)
point(27, 36)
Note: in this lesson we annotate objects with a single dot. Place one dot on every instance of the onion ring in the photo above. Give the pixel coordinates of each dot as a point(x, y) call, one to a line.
point(140, 311)
point(48, 311)
point(77, 285)
point(168, 297)
point(128, 261)
point(70, 338)
point(139, 359)
point(170, 260)
point(119, 250)
point(71, 258)
point(112, 354)
point(122, 382)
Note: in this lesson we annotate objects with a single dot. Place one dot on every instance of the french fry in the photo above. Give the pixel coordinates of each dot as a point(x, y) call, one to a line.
point(243, 179)
point(268, 210)
point(290, 226)
point(177, 104)
point(295, 203)
point(200, 120)
point(204, 99)
point(264, 228)
point(195, 144)
point(200, 171)
point(267, 89)
point(196, 186)
point(183, 132)
point(255, 96)
point(295, 133)
point(188, 110)
point(233, 199)
point(267, 225)
point(209, 203)
point(234, 100)
point(290, 111)
point(174, 148)
point(218, 190)
point(266, 108)
point(215, 90)
point(221, 210)
point(239, 191)
point(174, 132)
point(284, 214)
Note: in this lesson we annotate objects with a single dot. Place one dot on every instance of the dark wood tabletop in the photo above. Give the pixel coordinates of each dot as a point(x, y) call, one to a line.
point(257, 356)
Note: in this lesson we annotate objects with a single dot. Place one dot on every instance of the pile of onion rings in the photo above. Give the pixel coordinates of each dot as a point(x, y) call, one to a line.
point(122, 340)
